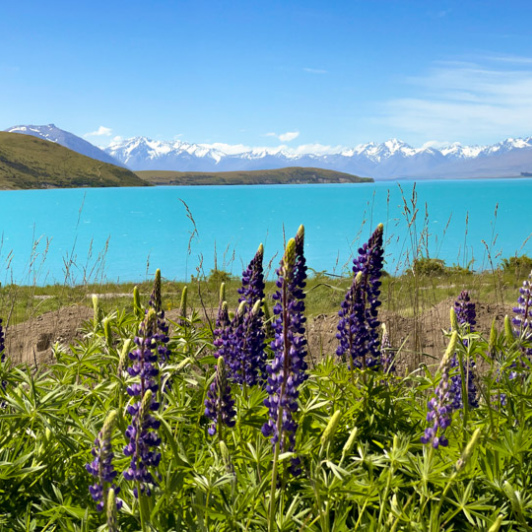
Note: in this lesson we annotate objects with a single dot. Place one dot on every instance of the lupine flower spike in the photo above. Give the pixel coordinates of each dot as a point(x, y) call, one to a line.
point(288, 368)
point(219, 405)
point(2, 343)
point(464, 315)
point(183, 308)
point(102, 466)
point(440, 406)
point(2, 356)
point(141, 432)
point(251, 334)
point(240, 341)
point(161, 333)
point(522, 321)
point(358, 326)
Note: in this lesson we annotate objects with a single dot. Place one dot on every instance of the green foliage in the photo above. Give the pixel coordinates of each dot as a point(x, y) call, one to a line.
point(427, 266)
point(520, 266)
point(364, 467)
point(292, 175)
point(29, 162)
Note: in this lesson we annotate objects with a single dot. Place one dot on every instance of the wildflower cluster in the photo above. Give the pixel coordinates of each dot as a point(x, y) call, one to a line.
point(240, 341)
point(288, 368)
point(358, 325)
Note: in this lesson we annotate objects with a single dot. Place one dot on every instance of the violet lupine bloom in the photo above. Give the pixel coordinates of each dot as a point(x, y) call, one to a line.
point(219, 405)
point(162, 327)
point(465, 310)
point(2, 358)
point(2, 343)
point(522, 320)
point(358, 325)
point(241, 341)
point(102, 465)
point(440, 406)
point(288, 368)
point(250, 331)
point(141, 432)
point(465, 315)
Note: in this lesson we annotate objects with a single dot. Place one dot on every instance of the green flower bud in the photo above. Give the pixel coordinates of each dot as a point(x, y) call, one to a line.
point(497, 524)
point(468, 450)
point(350, 442)
point(183, 303)
point(508, 330)
point(330, 430)
point(454, 320)
point(137, 305)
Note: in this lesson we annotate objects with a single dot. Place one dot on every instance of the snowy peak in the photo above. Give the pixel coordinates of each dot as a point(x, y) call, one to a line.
point(52, 133)
point(391, 159)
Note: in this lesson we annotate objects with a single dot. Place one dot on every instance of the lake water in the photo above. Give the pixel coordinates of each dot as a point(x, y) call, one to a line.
point(124, 234)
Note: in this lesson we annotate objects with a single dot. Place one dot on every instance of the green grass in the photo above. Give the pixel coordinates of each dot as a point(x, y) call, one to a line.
point(27, 162)
point(406, 294)
point(283, 176)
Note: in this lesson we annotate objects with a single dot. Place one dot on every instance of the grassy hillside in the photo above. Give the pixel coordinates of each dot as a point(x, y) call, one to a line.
point(28, 162)
point(283, 176)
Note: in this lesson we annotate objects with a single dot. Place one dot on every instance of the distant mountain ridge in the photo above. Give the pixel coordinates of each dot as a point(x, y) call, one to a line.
point(393, 159)
point(390, 160)
point(68, 140)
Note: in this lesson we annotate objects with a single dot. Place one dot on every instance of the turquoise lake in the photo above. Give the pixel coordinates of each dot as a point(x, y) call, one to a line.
point(124, 234)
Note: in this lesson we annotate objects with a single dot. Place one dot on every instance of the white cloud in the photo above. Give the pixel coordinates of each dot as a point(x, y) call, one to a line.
point(284, 137)
point(437, 144)
point(230, 149)
point(467, 101)
point(102, 131)
point(304, 149)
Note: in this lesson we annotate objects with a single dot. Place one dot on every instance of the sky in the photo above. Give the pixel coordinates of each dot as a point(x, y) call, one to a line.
point(309, 74)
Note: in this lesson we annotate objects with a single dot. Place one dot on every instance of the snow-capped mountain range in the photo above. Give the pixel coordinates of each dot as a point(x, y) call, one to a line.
point(392, 159)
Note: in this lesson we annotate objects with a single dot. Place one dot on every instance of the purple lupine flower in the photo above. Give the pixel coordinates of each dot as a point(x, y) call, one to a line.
point(219, 405)
point(358, 324)
point(141, 432)
point(102, 466)
point(440, 406)
point(387, 352)
point(252, 289)
point(161, 333)
point(465, 310)
point(251, 327)
point(241, 341)
point(466, 314)
point(288, 368)
point(522, 320)
point(2, 343)
point(2, 359)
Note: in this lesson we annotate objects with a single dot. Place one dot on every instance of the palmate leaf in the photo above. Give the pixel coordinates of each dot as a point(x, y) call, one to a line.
point(467, 502)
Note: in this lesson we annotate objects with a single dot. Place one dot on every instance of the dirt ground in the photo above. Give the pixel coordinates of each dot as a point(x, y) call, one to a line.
point(31, 342)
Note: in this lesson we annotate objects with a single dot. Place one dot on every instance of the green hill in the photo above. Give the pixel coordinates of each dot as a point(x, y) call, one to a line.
point(28, 162)
point(283, 176)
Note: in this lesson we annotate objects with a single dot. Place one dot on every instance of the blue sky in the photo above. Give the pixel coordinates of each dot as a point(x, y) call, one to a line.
point(265, 73)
